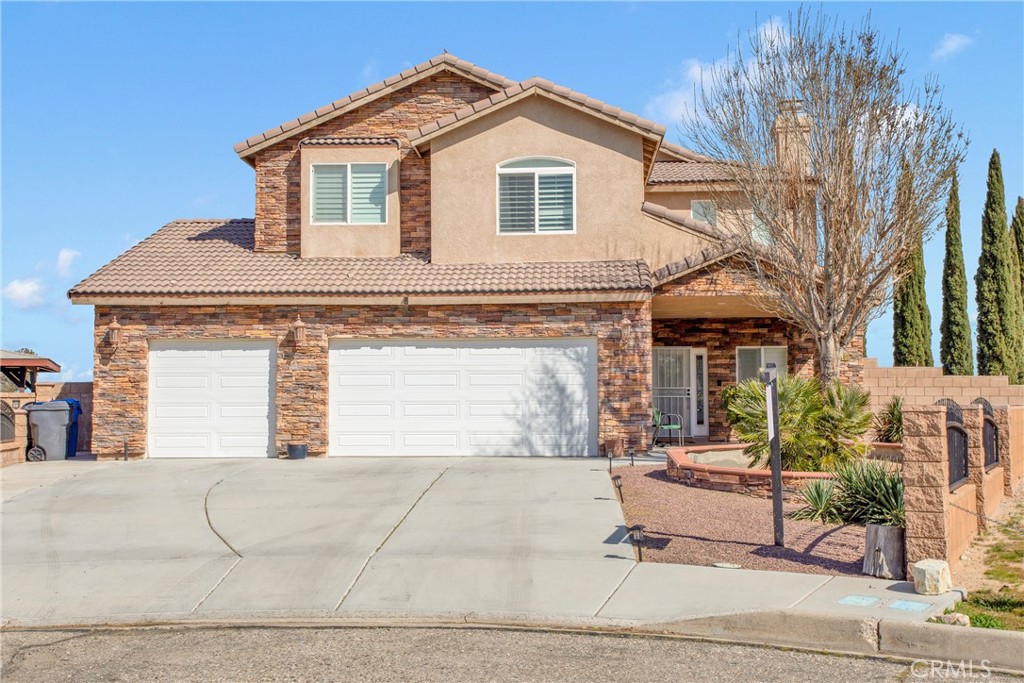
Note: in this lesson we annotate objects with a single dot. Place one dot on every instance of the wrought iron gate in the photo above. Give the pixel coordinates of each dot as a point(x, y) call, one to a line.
point(956, 442)
point(989, 433)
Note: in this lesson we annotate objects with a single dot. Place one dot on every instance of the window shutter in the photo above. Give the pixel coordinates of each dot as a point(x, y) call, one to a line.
point(329, 192)
point(554, 202)
point(515, 202)
point(704, 210)
point(369, 193)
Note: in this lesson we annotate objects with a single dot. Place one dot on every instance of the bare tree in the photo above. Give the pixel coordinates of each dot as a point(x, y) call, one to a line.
point(818, 123)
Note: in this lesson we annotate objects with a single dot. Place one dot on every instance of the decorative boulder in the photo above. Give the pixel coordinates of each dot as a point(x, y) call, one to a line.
point(955, 619)
point(932, 577)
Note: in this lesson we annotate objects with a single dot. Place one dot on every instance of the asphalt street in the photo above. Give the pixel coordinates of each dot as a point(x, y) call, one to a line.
point(369, 655)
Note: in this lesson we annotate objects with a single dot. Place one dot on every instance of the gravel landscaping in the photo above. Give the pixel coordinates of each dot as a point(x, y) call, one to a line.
point(687, 525)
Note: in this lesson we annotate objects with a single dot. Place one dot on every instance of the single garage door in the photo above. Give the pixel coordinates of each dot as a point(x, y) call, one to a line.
point(493, 397)
point(211, 399)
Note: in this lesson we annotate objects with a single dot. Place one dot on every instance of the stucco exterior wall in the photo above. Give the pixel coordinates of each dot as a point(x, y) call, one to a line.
point(120, 387)
point(609, 190)
point(279, 175)
point(344, 239)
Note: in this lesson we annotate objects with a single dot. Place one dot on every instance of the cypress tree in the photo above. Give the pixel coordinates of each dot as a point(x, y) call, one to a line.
point(912, 322)
point(1017, 228)
point(1017, 284)
point(998, 290)
point(955, 350)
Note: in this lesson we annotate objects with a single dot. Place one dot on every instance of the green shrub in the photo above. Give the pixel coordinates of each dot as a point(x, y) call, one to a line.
point(817, 430)
point(872, 493)
point(844, 421)
point(863, 492)
point(982, 620)
point(820, 497)
point(889, 422)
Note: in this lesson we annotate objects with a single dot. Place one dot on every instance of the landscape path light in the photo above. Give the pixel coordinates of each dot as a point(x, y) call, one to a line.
point(617, 480)
point(636, 535)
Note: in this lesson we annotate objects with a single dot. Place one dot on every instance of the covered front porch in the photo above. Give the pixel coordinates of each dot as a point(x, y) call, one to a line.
point(708, 333)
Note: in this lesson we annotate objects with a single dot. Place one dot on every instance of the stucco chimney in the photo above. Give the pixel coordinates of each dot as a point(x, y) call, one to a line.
point(792, 133)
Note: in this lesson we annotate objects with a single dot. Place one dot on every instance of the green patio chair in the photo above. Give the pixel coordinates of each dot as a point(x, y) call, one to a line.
point(667, 421)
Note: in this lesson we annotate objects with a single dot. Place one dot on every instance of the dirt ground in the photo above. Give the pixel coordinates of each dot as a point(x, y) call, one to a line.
point(688, 525)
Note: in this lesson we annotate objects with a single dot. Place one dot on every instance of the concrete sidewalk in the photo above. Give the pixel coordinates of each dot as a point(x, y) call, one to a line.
point(525, 540)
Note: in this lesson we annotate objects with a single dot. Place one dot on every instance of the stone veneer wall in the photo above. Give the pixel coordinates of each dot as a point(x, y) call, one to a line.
point(278, 175)
point(120, 380)
point(722, 336)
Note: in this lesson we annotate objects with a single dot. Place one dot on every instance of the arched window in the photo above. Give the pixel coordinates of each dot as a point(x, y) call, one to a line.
point(536, 195)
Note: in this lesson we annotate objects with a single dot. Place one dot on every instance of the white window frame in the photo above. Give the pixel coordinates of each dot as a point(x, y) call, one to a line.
point(760, 364)
point(348, 190)
point(714, 207)
point(537, 172)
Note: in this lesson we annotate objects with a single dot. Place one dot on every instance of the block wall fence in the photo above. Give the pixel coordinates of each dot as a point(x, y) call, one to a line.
point(942, 521)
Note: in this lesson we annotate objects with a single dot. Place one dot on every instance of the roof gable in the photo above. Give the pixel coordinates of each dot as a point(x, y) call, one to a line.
point(651, 131)
point(443, 62)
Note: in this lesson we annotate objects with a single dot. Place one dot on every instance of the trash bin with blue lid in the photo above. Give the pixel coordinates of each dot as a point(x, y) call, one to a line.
point(76, 411)
point(48, 426)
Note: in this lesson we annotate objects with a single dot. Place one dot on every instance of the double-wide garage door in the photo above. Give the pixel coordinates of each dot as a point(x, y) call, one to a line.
point(488, 397)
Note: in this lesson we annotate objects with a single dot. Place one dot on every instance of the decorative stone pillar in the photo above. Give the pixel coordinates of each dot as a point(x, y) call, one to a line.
point(1001, 416)
point(974, 424)
point(926, 483)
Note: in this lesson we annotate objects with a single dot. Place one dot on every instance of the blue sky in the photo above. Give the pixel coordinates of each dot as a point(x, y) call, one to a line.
point(117, 118)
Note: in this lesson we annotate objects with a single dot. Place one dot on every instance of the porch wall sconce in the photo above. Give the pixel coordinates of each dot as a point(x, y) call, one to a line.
point(114, 332)
point(299, 329)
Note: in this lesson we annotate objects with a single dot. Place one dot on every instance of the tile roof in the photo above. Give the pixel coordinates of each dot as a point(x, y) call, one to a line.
point(681, 218)
point(430, 130)
point(670, 172)
point(333, 140)
point(216, 257)
point(701, 259)
point(446, 61)
point(681, 152)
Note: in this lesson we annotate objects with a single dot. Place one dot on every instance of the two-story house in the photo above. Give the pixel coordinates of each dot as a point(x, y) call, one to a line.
point(448, 262)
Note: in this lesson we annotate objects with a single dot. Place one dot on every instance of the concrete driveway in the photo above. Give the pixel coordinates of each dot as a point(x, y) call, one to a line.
point(220, 538)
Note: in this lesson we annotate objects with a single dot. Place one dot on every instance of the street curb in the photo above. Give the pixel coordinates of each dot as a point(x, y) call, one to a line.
point(888, 637)
point(798, 630)
point(1003, 649)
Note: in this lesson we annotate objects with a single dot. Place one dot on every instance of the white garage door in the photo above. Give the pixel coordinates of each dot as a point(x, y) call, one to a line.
point(211, 399)
point(493, 397)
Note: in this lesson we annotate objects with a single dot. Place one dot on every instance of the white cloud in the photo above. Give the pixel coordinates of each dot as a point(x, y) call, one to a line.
point(370, 73)
point(950, 45)
point(64, 260)
point(25, 294)
point(679, 93)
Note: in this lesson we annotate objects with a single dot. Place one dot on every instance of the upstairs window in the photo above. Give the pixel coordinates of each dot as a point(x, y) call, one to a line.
point(349, 193)
point(704, 210)
point(536, 195)
point(760, 232)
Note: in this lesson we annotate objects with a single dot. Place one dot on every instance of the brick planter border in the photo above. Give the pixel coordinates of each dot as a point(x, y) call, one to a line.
point(752, 482)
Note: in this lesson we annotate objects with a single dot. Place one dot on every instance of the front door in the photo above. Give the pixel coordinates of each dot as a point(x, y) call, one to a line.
point(681, 386)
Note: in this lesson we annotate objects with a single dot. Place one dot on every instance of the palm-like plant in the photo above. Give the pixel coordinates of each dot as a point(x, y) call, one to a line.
point(889, 422)
point(872, 493)
point(800, 408)
point(820, 497)
point(844, 421)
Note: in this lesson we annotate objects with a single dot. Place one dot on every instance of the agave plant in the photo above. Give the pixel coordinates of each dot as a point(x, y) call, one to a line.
point(889, 422)
point(871, 493)
point(820, 497)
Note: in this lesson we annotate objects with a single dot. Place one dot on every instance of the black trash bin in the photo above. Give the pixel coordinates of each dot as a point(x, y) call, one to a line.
point(48, 426)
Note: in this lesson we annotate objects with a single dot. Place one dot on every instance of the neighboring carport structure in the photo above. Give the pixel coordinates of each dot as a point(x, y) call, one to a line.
point(22, 369)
